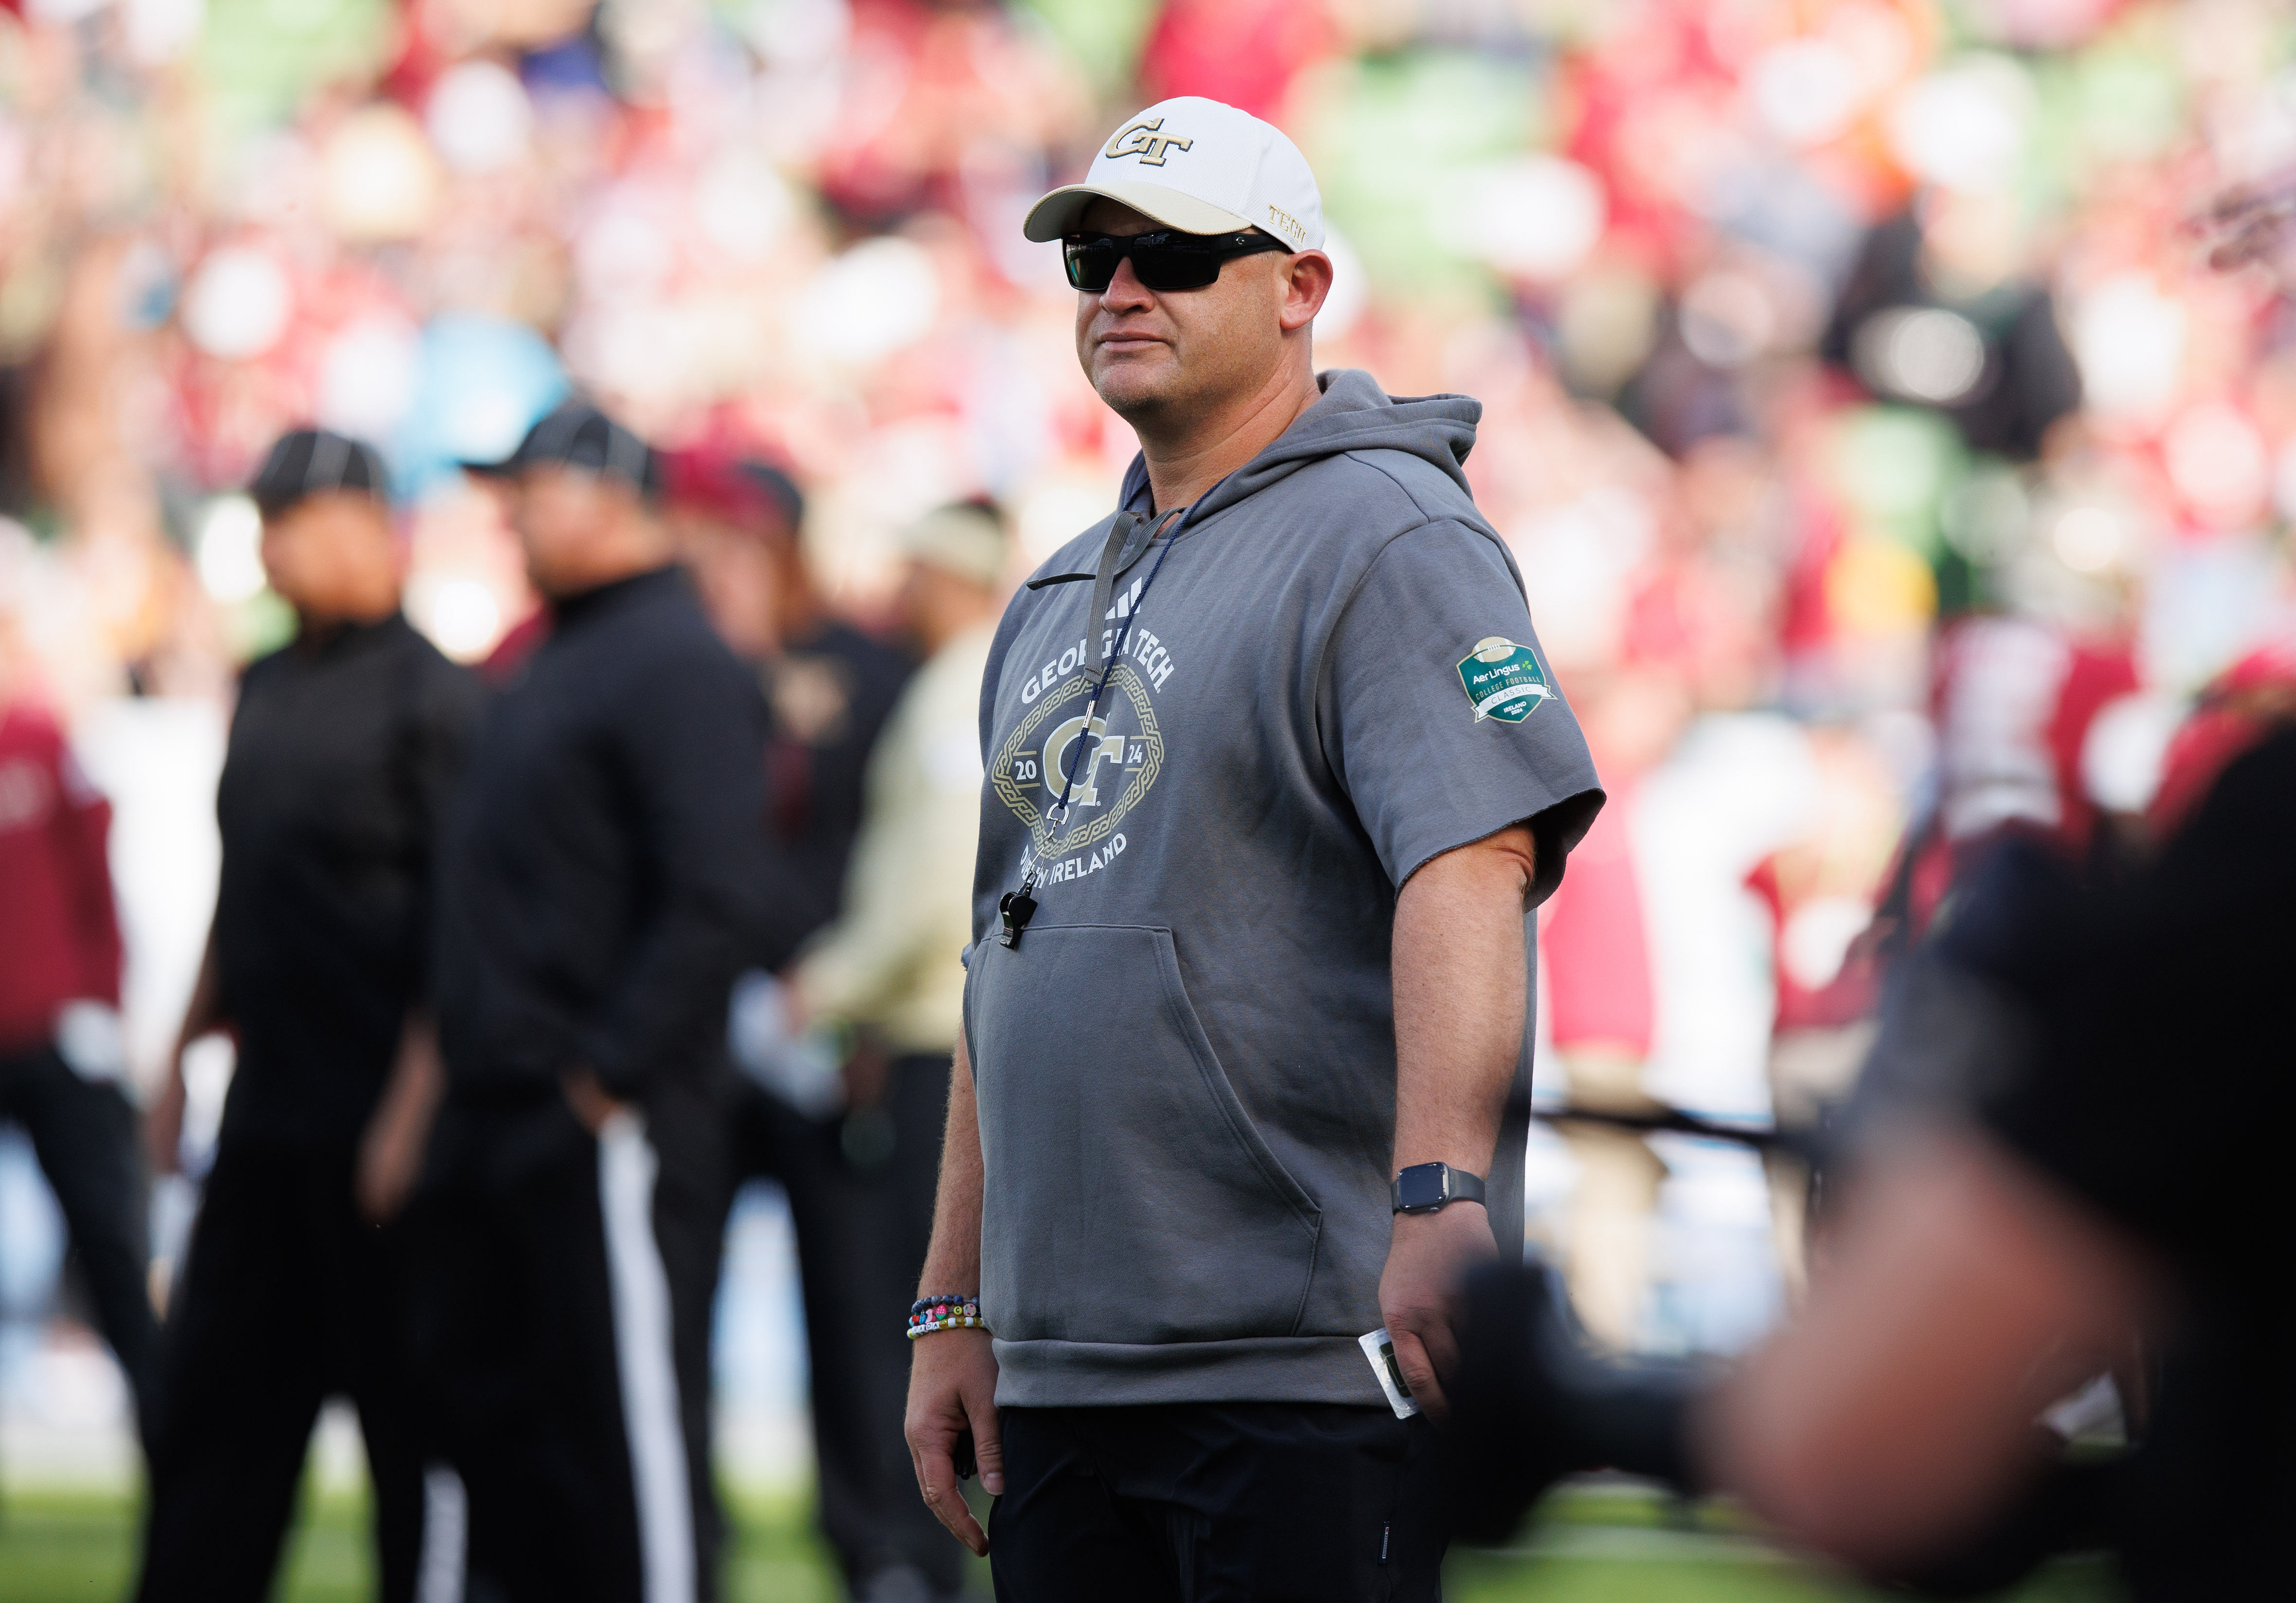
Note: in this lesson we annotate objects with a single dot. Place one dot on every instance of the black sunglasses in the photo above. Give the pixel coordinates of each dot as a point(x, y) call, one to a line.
point(1166, 260)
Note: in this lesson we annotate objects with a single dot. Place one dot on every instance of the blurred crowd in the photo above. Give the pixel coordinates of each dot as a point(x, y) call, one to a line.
point(1795, 323)
point(1801, 328)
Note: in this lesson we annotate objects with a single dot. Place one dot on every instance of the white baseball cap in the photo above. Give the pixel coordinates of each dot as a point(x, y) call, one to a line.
point(1200, 167)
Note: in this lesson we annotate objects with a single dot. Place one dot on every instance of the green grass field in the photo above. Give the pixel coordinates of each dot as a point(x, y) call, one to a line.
point(1601, 1548)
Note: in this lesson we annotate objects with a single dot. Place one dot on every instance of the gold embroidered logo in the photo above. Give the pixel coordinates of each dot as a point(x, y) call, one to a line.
point(1123, 753)
point(1286, 225)
point(1140, 139)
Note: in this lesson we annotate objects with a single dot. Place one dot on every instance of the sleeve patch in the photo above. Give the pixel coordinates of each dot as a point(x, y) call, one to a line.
point(1503, 680)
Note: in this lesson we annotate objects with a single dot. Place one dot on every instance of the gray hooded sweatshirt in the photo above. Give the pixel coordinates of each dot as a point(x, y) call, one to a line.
point(1322, 675)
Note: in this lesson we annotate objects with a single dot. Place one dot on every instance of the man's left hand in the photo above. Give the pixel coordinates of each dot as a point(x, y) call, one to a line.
point(1427, 1258)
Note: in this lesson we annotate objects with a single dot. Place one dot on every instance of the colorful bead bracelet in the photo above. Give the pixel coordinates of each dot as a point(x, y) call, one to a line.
point(928, 1314)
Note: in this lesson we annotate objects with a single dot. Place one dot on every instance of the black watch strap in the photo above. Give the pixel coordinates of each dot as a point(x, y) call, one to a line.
point(1426, 1188)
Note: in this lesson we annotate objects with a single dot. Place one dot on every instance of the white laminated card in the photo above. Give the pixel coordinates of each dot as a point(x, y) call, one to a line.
point(1380, 1352)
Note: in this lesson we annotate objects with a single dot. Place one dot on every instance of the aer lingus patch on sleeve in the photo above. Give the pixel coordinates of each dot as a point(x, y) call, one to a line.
point(1503, 680)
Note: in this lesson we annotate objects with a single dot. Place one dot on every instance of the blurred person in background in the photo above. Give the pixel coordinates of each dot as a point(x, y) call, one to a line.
point(1596, 953)
point(885, 972)
point(62, 1056)
point(1820, 893)
point(344, 748)
point(605, 879)
point(829, 687)
point(1942, 309)
point(1248, 985)
point(1986, 1252)
point(2014, 699)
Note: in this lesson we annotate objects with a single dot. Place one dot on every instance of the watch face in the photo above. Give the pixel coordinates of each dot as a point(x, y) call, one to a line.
point(1420, 1186)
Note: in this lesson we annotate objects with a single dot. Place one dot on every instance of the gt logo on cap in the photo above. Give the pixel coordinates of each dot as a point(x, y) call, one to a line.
point(1241, 174)
point(1140, 139)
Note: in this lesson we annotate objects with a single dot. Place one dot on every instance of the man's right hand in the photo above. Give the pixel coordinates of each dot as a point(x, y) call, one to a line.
point(952, 1391)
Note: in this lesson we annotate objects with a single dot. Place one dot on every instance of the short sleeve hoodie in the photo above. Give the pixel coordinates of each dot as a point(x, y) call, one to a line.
point(1186, 1069)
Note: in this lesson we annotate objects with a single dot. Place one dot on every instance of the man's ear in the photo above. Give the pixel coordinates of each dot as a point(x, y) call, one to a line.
point(1305, 281)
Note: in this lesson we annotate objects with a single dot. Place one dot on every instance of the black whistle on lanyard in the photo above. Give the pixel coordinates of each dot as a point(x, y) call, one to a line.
point(1015, 907)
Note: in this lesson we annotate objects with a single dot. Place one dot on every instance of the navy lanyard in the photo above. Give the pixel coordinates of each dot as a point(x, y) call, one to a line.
point(1017, 907)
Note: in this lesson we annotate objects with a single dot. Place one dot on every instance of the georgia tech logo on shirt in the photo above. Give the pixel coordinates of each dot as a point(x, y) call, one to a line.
point(1503, 680)
point(1106, 768)
point(1140, 139)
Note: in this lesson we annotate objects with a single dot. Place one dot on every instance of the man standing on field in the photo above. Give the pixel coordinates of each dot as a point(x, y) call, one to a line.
point(345, 746)
point(1276, 772)
point(605, 879)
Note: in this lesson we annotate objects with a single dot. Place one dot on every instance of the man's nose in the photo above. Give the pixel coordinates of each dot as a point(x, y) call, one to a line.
point(1125, 290)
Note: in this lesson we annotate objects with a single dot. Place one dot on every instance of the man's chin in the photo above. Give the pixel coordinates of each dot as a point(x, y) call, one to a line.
point(1134, 387)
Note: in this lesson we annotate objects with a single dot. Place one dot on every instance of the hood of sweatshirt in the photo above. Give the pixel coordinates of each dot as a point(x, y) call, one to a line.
point(1355, 415)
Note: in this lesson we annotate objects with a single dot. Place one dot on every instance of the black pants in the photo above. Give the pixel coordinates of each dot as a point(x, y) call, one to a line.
point(861, 1200)
point(1217, 1502)
point(287, 1297)
point(84, 1134)
point(564, 1339)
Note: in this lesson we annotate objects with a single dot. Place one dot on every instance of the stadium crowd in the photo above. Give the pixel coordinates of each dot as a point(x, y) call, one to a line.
point(1679, 251)
point(1859, 365)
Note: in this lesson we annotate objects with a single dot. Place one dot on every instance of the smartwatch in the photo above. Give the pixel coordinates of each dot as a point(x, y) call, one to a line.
point(1425, 1188)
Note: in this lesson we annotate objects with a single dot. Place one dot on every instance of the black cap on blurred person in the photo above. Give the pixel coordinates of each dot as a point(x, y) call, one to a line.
point(316, 462)
point(578, 435)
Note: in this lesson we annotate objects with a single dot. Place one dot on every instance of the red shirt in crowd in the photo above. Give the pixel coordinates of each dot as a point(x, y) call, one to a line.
point(1593, 944)
point(59, 931)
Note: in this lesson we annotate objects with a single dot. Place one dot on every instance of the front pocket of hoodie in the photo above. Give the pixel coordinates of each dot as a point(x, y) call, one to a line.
point(1130, 1198)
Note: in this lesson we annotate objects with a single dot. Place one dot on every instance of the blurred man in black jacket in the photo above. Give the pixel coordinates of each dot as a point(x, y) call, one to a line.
point(605, 880)
point(343, 750)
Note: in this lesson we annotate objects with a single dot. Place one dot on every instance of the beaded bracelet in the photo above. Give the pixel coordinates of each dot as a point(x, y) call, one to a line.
point(928, 1314)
